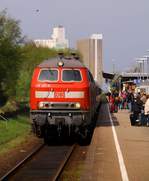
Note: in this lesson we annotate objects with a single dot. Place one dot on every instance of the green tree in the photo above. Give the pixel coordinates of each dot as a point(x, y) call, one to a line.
point(10, 55)
point(9, 28)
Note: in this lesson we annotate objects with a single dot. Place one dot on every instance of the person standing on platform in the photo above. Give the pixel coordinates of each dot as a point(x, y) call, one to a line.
point(130, 98)
point(146, 110)
point(136, 107)
point(143, 117)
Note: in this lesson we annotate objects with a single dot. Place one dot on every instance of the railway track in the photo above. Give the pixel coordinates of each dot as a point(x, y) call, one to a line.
point(44, 163)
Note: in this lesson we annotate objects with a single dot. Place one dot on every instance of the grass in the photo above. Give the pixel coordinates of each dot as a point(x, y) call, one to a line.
point(13, 132)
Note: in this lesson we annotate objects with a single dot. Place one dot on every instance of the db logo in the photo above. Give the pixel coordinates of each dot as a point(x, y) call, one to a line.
point(59, 94)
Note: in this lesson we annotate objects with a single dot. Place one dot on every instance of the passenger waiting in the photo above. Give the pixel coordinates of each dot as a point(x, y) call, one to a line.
point(130, 98)
point(146, 110)
point(136, 107)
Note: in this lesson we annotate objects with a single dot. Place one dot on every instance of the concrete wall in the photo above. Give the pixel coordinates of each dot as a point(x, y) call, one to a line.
point(87, 49)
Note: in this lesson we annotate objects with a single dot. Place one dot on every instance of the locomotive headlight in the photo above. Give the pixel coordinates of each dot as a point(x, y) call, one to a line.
point(41, 105)
point(77, 105)
point(60, 63)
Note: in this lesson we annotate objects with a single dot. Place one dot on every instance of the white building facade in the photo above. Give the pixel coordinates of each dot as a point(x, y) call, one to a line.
point(57, 40)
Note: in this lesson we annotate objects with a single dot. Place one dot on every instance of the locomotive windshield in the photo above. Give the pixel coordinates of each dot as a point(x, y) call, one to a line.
point(48, 75)
point(71, 75)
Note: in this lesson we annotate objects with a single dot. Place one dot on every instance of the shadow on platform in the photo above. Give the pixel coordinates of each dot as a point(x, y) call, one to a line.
point(103, 117)
point(107, 122)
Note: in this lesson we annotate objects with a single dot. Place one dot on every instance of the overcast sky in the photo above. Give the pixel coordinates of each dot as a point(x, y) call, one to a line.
point(124, 24)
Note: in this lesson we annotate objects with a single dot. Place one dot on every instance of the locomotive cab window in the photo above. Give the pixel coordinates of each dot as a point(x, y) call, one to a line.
point(91, 79)
point(71, 75)
point(48, 75)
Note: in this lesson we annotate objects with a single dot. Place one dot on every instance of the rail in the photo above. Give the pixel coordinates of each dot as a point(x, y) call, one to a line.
point(15, 168)
point(63, 164)
point(56, 159)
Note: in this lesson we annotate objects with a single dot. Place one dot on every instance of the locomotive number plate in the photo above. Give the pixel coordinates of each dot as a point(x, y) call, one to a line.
point(59, 95)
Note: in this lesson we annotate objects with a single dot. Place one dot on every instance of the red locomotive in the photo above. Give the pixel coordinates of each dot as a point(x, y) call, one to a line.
point(62, 98)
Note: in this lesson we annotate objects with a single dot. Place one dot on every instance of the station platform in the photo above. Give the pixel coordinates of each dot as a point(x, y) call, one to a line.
point(125, 159)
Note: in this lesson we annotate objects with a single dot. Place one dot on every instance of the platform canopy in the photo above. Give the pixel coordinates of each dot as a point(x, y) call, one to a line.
point(107, 75)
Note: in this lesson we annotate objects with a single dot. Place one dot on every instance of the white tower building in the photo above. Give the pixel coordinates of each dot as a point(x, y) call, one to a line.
point(97, 55)
point(58, 33)
point(57, 40)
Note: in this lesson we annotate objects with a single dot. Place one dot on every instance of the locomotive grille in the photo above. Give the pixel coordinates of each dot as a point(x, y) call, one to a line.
point(58, 105)
point(63, 105)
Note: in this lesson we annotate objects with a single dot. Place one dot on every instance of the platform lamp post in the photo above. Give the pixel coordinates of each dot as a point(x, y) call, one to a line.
point(113, 66)
point(147, 63)
point(139, 67)
point(141, 61)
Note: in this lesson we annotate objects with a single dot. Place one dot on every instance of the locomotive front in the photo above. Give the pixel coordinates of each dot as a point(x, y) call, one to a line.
point(60, 98)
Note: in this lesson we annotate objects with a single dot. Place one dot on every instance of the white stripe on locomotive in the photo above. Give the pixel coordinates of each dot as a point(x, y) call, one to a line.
point(50, 94)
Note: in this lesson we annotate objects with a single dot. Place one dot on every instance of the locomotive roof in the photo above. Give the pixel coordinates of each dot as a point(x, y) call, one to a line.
point(67, 63)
